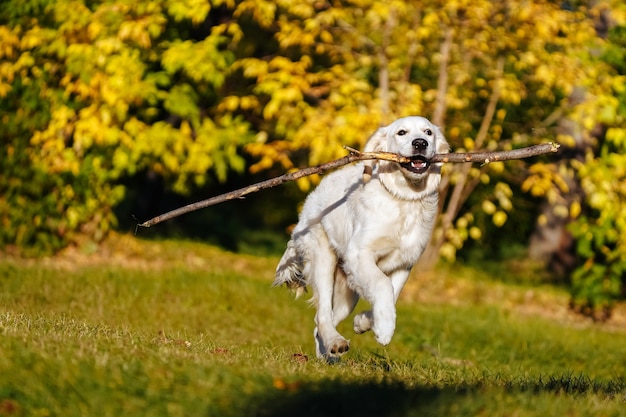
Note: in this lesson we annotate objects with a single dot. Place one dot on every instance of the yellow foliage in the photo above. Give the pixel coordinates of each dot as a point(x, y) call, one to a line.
point(497, 167)
point(475, 233)
point(9, 42)
point(304, 78)
point(488, 207)
point(462, 223)
point(566, 140)
point(544, 180)
point(561, 211)
point(305, 183)
point(499, 218)
point(448, 252)
point(616, 135)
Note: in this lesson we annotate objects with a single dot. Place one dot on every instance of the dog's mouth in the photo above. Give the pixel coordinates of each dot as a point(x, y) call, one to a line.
point(417, 165)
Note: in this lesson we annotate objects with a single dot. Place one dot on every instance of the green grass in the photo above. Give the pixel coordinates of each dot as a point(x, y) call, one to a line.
point(181, 329)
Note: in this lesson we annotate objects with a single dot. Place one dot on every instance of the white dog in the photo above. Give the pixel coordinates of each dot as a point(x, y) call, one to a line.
point(359, 238)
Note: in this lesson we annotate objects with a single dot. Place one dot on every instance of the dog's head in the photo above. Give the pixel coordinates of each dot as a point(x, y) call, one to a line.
point(416, 138)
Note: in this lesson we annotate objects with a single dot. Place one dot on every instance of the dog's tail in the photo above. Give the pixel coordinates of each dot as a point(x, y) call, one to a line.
point(289, 271)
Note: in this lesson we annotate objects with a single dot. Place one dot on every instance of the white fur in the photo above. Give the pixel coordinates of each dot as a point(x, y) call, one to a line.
point(359, 238)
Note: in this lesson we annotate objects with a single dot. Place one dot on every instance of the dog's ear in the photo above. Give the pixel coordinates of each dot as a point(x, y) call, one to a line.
point(376, 143)
point(442, 143)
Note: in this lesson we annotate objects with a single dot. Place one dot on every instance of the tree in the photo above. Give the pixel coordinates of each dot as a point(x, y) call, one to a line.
point(97, 91)
point(497, 75)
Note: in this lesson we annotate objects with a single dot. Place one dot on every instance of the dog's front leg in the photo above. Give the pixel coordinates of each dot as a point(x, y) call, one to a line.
point(373, 285)
point(364, 321)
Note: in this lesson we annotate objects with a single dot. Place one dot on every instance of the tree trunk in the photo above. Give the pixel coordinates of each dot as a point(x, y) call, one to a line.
point(462, 188)
point(441, 105)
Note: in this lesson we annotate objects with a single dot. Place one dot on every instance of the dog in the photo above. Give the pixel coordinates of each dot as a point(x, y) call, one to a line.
point(359, 236)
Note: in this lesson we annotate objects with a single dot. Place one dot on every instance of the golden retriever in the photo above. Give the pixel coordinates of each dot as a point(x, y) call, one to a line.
point(359, 237)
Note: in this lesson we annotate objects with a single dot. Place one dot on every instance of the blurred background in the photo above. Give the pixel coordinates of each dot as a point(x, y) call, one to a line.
point(113, 112)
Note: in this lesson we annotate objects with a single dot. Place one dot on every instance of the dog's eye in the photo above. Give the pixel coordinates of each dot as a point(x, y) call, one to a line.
point(428, 132)
point(402, 132)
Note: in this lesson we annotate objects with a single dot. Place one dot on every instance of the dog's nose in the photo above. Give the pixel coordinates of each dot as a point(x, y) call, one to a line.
point(420, 144)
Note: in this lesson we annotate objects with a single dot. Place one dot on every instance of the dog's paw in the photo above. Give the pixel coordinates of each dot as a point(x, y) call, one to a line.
point(384, 338)
point(332, 349)
point(362, 322)
point(338, 346)
point(384, 327)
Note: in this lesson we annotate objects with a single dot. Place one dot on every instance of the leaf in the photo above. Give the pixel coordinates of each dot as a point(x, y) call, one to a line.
point(499, 218)
point(182, 101)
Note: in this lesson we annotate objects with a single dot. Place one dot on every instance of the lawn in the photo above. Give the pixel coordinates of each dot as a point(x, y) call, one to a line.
point(176, 328)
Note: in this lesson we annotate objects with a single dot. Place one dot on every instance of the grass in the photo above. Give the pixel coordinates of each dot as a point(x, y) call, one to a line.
point(182, 329)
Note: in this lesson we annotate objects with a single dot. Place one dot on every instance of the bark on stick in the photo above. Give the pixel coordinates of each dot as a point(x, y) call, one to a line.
point(354, 156)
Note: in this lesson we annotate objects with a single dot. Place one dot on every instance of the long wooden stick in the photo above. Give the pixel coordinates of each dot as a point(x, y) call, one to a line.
point(483, 157)
point(495, 156)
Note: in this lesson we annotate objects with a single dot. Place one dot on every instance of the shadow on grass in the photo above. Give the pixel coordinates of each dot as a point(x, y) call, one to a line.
point(392, 398)
point(333, 398)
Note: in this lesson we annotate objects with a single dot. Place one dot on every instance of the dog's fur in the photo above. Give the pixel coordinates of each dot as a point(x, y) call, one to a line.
point(359, 238)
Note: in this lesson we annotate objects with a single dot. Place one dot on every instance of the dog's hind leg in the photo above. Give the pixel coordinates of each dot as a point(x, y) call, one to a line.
point(320, 269)
point(344, 298)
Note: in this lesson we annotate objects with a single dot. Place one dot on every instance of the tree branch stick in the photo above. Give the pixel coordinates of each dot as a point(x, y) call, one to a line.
point(495, 156)
point(483, 157)
point(441, 104)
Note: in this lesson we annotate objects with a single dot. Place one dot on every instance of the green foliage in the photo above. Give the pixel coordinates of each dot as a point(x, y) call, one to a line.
point(600, 232)
point(186, 329)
